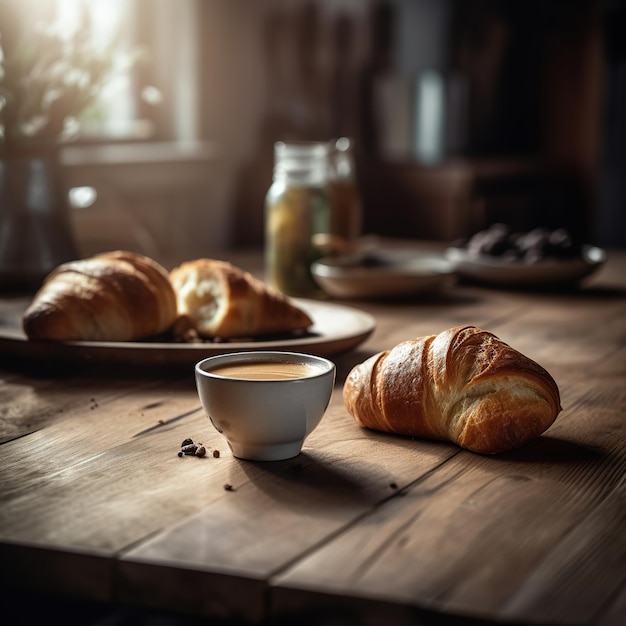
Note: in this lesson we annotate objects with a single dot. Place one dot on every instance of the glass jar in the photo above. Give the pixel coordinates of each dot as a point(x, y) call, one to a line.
point(298, 216)
point(345, 198)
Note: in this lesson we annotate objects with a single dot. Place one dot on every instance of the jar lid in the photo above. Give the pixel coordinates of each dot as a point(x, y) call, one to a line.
point(301, 156)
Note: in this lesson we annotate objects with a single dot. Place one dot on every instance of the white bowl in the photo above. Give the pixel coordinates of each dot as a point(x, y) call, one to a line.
point(352, 277)
point(265, 419)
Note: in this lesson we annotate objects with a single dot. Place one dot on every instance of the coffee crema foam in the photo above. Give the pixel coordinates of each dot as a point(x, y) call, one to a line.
point(265, 370)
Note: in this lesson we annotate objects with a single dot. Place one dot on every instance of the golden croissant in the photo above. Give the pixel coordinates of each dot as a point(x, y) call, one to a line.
point(222, 300)
point(115, 296)
point(463, 385)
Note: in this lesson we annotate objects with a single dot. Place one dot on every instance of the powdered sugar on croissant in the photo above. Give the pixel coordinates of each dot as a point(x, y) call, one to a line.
point(463, 385)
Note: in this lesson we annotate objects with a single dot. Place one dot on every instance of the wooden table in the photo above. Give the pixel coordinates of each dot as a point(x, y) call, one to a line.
point(360, 528)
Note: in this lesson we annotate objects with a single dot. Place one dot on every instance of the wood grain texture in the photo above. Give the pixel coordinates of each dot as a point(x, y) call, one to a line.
point(468, 536)
point(361, 528)
point(275, 512)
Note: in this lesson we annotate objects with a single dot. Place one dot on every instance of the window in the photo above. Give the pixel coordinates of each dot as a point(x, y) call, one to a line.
point(151, 90)
point(118, 111)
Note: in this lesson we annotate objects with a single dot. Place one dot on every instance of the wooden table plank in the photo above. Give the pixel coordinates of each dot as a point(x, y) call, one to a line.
point(30, 404)
point(448, 545)
point(583, 573)
point(95, 502)
point(278, 511)
point(102, 460)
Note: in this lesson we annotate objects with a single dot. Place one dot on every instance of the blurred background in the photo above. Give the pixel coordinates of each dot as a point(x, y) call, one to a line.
point(463, 113)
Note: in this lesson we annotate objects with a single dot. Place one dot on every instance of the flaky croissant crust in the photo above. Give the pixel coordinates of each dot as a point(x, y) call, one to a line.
point(464, 385)
point(114, 296)
point(223, 300)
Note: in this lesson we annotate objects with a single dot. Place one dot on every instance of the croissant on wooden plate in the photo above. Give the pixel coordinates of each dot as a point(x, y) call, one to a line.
point(114, 296)
point(219, 299)
point(463, 385)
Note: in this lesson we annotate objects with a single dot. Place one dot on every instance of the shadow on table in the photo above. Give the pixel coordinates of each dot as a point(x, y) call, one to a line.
point(548, 449)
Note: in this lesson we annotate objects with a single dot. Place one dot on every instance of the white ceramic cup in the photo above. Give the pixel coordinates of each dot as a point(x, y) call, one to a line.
point(265, 419)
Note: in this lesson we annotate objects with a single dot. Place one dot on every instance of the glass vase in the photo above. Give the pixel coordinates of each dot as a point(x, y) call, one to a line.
point(36, 232)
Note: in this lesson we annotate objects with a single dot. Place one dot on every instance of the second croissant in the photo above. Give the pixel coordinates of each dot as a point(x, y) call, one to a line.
point(463, 385)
